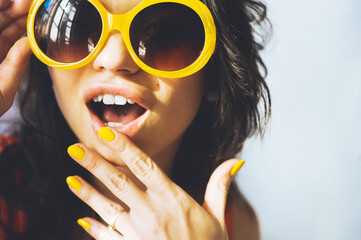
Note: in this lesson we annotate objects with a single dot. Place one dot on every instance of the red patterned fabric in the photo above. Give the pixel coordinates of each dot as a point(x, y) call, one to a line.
point(7, 140)
point(14, 219)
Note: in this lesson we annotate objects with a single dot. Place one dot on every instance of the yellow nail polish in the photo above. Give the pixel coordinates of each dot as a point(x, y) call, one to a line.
point(73, 183)
point(84, 223)
point(237, 167)
point(106, 134)
point(76, 152)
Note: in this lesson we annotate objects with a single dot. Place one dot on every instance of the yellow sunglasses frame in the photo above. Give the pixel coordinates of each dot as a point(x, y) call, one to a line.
point(122, 24)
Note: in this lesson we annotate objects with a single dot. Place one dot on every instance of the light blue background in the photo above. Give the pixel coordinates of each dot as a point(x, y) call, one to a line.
point(304, 178)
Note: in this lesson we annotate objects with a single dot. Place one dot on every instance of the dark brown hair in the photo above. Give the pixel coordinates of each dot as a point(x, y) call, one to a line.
point(236, 76)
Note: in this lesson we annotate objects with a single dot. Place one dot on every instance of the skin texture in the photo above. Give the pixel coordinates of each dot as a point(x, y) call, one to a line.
point(174, 102)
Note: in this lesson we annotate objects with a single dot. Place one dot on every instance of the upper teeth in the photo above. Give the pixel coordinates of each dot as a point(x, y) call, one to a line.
point(109, 99)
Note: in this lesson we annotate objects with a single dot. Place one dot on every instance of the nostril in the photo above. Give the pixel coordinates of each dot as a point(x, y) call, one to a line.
point(115, 57)
point(125, 71)
point(116, 64)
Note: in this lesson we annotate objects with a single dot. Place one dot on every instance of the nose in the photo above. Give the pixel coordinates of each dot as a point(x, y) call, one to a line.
point(114, 57)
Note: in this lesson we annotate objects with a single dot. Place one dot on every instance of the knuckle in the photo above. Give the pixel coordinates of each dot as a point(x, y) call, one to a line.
point(118, 182)
point(87, 196)
point(143, 167)
point(122, 146)
point(182, 203)
point(155, 221)
point(92, 164)
point(110, 210)
point(223, 185)
point(180, 206)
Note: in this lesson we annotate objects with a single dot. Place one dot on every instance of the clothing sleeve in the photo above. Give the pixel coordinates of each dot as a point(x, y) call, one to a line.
point(13, 218)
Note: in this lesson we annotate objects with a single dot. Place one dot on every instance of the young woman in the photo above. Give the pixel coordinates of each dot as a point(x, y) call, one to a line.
point(151, 100)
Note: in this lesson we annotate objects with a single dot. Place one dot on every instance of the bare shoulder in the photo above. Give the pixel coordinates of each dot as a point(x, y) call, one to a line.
point(245, 221)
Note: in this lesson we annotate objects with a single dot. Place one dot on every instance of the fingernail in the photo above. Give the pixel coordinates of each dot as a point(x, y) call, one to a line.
point(73, 183)
point(84, 223)
point(237, 167)
point(76, 152)
point(106, 134)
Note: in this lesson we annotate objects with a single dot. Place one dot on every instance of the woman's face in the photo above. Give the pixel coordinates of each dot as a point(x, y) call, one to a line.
point(163, 109)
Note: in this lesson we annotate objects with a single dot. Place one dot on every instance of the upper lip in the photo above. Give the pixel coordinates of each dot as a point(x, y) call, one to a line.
point(125, 91)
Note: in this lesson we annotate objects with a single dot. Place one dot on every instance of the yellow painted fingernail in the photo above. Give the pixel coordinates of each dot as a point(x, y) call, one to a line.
point(237, 167)
point(73, 183)
point(106, 134)
point(76, 152)
point(84, 223)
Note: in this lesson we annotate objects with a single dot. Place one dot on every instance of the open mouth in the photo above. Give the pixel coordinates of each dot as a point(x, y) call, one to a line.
point(115, 110)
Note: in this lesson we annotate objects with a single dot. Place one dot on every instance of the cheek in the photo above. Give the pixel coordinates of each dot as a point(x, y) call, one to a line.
point(182, 100)
point(177, 105)
point(187, 98)
point(59, 86)
point(65, 87)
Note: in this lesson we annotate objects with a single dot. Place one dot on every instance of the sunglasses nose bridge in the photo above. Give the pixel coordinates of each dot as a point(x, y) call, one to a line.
point(116, 22)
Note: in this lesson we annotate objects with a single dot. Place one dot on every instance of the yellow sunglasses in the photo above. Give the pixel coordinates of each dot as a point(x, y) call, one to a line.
point(172, 39)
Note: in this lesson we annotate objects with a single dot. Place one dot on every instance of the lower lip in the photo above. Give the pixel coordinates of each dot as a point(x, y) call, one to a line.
point(130, 129)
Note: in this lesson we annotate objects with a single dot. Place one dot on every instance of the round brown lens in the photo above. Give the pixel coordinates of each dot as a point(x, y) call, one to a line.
point(67, 30)
point(167, 36)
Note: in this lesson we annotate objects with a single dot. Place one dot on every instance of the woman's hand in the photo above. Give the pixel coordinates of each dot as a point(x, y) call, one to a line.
point(162, 211)
point(13, 16)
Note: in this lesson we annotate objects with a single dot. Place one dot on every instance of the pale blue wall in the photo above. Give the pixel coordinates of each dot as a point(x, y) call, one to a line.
point(304, 179)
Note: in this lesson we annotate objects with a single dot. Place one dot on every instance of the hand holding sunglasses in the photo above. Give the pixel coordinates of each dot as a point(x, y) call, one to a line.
point(17, 52)
point(165, 38)
point(13, 16)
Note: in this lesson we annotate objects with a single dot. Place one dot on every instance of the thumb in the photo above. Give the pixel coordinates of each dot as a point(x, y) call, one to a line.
point(217, 188)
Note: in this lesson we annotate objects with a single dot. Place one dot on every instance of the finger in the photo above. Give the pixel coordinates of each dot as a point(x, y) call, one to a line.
point(4, 4)
point(144, 168)
point(16, 27)
point(12, 71)
point(14, 9)
point(217, 187)
point(11, 34)
point(6, 20)
point(104, 207)
point(115, 180)
point(98, 231)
